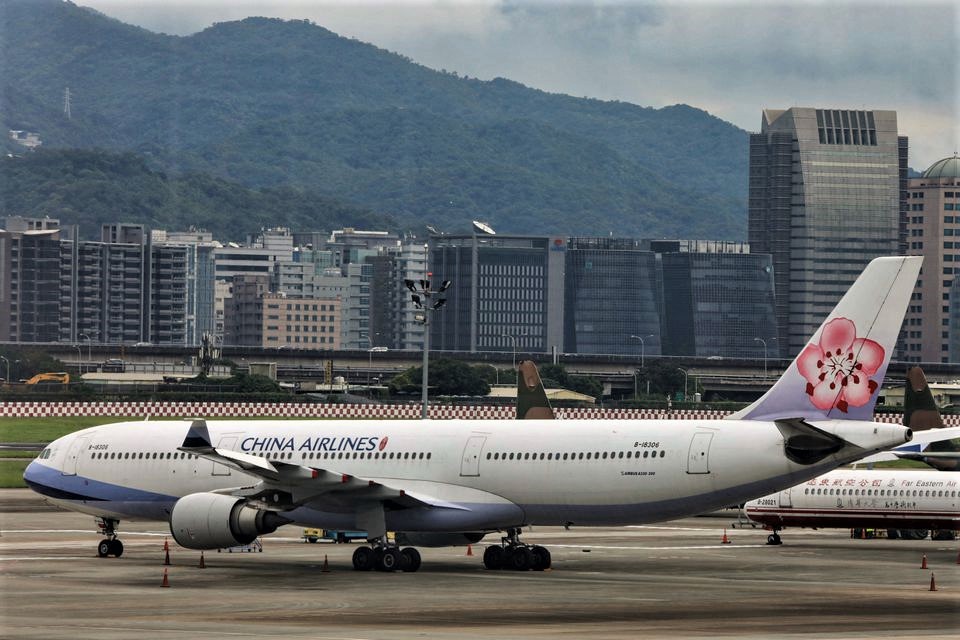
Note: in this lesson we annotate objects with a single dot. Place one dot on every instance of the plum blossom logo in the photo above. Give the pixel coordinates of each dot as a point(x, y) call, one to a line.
point(838, 369)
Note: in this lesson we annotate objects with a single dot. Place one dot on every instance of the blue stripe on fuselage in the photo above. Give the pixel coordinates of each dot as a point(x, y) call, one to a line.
point(114, 498)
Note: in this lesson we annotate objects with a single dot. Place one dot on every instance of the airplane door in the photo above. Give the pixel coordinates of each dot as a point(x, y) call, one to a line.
point(785, 499)
point(470, 464)
point(698, 460)
point(72, 462)
point(226, 442)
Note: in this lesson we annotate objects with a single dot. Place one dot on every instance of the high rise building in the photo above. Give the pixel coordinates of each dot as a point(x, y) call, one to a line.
point(30, 286)
point(611, 300)
point(257, 317)
point(933, 228)
point(827, 195)
point(718, 300)
point(506, 293)
point(120, 290)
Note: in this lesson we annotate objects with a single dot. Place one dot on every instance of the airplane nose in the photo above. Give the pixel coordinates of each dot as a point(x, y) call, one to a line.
point(30, 473)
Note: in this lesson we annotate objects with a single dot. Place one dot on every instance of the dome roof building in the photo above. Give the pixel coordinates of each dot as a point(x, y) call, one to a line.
point(948, 168)
point(933, 231)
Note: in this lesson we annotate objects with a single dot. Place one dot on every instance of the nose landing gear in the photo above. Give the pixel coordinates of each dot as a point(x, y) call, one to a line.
point(513, 554)
point(111, 546)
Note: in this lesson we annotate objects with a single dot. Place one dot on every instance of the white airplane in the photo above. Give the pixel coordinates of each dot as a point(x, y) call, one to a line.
point(883, 498)
point(223, 483)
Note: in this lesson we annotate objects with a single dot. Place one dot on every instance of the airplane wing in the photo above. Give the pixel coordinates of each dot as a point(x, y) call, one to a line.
point(284, 486)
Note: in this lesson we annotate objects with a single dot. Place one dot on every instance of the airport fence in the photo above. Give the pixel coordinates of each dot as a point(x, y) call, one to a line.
point(326, 410)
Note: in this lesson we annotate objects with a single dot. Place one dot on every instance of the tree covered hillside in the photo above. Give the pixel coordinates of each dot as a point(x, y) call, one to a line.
point(271, 103)
point(90, 188)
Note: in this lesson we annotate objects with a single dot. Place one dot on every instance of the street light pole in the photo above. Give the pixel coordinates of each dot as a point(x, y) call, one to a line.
point(89, 357)
point(684, 383)
point(514, 340)
point(79, 360)
point(764, 355)
point(421, 300)
point(643, 346)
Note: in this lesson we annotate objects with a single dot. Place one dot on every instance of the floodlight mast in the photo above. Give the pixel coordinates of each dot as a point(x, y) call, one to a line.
point(421, 299)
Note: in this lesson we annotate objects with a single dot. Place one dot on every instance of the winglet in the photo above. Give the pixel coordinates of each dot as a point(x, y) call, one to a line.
point(532, 400)
point(919, 408)
point(198, 437)
point(839, 373)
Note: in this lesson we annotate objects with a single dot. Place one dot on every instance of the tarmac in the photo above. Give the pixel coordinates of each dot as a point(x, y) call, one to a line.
point(675, 579)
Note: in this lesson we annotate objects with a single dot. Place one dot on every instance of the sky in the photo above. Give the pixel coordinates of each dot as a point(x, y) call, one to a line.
point(730, 58)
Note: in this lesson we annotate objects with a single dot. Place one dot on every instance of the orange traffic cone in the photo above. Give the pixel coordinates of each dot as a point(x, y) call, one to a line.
point(933, 583)
point(725, 539)
point(469, 549)
point(166, 552)
point(923, 564)
point(166, 581)
point(202, 565)
point(326, 565)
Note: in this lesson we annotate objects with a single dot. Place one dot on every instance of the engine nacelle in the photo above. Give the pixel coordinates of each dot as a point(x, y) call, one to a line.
point(215, 521)
point(422, 539)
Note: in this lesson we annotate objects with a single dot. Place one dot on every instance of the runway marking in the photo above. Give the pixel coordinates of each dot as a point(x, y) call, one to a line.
point(90, 531)
point(193, 632)
point(702, 546)
point(58, 558)
point(647, 526)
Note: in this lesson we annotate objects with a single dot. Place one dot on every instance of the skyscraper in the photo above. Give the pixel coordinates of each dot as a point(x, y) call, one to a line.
point(610, 299)
point(507, 292)
point(933, 232)
point(827, 194)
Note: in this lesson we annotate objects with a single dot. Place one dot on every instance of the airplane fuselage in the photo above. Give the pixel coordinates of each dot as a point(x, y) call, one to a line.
point(888, 498)
point(493, 474)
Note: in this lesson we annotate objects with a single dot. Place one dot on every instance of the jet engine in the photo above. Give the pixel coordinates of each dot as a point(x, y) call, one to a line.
point(421, 539)
point(215, 521)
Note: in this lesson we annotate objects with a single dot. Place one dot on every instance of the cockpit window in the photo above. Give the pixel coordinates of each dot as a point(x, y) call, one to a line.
point(44, 454)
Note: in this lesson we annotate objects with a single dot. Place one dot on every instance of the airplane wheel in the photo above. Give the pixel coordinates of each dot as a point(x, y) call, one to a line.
point(493, 558)
point(409, 560)
point(388, 560)
point(116, 548)
point(774, 538)
point(520, 559)
point(363, 559)
point(103, 549)
point(541, 558)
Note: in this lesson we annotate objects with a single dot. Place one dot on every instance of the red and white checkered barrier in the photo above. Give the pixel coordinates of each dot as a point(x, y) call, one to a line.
point(386, 411)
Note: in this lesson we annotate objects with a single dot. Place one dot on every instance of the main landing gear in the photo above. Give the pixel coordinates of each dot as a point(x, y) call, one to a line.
point(513, 554)
point(111, 545)
point(774, 538)
point(385, 557)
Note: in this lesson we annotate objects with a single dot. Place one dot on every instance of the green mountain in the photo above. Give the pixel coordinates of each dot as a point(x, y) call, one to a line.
point(273, 104)
point(90, 188)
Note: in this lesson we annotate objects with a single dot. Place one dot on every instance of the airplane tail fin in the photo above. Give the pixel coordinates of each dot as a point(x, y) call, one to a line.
point(837, 375)
point(919, 408)
point(532, 400)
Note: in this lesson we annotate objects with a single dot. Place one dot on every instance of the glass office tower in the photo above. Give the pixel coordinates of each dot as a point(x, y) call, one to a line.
point(827, 194)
